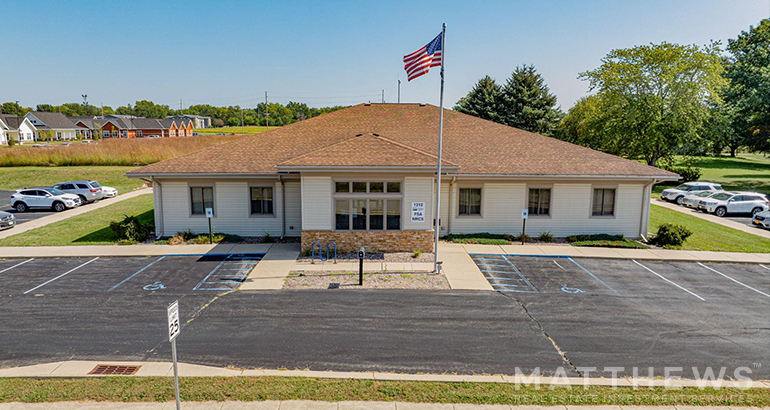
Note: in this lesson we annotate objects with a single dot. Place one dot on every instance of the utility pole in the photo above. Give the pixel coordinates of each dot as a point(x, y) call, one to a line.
point(180, 107)
point(102, 104)
point(242, 131)
point(383, 96)
point(399, 91)
point(267, 114)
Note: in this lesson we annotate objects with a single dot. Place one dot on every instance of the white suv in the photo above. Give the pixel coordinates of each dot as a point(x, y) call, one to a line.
point(691, 200)
point(725, 203)
point(43, 198)
point(677, 194)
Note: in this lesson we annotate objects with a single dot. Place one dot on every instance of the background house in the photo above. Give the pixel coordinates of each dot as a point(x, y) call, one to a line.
point(18, 128)
point(52, 125)
point(198, 121)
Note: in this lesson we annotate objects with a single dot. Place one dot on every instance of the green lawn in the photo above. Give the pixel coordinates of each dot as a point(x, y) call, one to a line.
point(12, 178)
point(90, 228)
point(249, 129)
point(708, 236)
point(747, 172)
point(201, 389)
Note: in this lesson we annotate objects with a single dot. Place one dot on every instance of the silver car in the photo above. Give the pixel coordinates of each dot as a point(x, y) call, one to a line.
point(7, 220)
point(88, 191)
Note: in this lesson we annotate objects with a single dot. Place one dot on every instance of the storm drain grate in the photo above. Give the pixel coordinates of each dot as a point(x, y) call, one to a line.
point(108, 369)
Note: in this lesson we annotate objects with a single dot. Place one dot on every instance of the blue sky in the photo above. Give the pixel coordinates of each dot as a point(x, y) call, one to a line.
point(325, 52)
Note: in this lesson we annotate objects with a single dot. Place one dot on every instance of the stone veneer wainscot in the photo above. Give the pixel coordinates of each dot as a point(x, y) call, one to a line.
point(372, 241)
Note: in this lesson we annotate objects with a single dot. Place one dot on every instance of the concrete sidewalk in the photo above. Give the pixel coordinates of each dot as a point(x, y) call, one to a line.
point(325, 405)
point(273, 268)
point(81, 368)
point(37, 223)
point(764, 233)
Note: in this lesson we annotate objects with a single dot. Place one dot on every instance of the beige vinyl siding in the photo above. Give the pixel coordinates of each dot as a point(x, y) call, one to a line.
point(293, 208)
point(444, 210)
point(316, 203)
point(502, 202)
point(231, 209)
point(417, 189)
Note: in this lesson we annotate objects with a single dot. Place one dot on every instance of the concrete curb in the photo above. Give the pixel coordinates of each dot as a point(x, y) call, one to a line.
point(37, 223)
point(81, 368)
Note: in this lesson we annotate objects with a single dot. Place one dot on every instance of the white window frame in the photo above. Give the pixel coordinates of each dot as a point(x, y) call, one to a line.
point(550, 201)
point(481, 201)
point(614, 202)
point(213, 199)
point(350, 196)
point(275, 200)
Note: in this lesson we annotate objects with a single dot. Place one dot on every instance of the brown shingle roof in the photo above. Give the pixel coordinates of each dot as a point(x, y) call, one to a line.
point(410, 133)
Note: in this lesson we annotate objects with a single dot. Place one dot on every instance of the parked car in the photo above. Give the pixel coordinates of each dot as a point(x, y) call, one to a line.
point(677, 194)
point(88, 191)
point(109, 192)
point(7, 220)
point(691, 201)
point(762, 219)
point(43, 198)
point(725, 203)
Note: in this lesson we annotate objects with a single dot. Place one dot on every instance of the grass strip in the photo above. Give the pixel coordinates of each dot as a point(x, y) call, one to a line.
point(90, 228)
point(160, 389)
point(708, 236)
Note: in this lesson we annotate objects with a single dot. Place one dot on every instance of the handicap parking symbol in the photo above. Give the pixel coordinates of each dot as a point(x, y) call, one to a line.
point(567, 289)
point(154, 286)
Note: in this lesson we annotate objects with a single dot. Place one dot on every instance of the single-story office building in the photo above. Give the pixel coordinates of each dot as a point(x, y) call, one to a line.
point(365, 176)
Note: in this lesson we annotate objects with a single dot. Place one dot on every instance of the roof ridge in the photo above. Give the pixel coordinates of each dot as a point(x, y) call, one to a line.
point(419, 151)
point(322, 149)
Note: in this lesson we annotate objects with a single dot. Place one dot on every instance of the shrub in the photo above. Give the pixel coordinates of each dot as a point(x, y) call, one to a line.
point(186, 235)
point(11, 142)
point(545, 237)
point(484, 238)
point(523, 238)
point(268, 238)
point(686, 170)
point(131, 229)
point(416, 254)
point(671, 235)
point(204, 239)
point(595, 237)
point(177, 239)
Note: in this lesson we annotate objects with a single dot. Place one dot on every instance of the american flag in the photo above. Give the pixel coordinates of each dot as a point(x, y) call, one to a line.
point(420, 62)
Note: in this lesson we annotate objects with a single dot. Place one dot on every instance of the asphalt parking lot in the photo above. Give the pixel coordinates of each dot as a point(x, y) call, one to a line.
point(599, 314)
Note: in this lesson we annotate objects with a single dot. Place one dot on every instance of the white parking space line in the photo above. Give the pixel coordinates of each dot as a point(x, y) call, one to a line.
point(557, 264)
point(60, 276)
point(765, 267)
point(18, 264)
point(736, 281)
point(136, 273)
point(669, 281)
point(595, 277)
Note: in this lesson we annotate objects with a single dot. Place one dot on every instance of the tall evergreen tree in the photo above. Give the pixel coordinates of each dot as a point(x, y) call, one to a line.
point(528, 103)
point(483, 101)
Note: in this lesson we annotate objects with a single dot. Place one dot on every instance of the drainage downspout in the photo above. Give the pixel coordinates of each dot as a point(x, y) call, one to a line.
point(283, 206)
point(645, 207)
point(449, 206)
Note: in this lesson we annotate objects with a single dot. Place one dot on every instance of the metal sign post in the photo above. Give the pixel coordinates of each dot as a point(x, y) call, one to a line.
point(361, 255)
point(209, 215)
point(524, 216)
point(173, 332)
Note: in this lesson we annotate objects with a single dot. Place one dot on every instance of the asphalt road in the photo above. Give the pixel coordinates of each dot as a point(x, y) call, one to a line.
point(601, 314)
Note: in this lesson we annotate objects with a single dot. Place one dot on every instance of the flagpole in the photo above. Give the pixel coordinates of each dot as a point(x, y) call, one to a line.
point(440, 136)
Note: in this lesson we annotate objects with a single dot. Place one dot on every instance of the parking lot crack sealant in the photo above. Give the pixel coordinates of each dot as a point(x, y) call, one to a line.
point(547, 336)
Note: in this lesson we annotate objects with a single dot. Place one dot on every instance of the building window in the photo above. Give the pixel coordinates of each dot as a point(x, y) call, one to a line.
point(539, 201)
point(261, 200)
point(470, 201)
point(58, 135)
point(604, 202)
point(367, 205)
point(201, 198)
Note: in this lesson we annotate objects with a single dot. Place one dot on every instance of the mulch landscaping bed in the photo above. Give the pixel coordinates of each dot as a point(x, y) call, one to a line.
point(376, 257)
point(372, 280)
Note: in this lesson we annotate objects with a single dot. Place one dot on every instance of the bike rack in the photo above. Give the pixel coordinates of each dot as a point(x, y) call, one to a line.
point(320, 252)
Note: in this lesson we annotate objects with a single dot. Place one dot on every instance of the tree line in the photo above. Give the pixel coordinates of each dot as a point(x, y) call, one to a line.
point(649, 102)
point(278, 114)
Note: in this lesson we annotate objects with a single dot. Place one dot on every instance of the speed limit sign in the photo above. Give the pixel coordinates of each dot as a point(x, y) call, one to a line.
point(173, 321)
